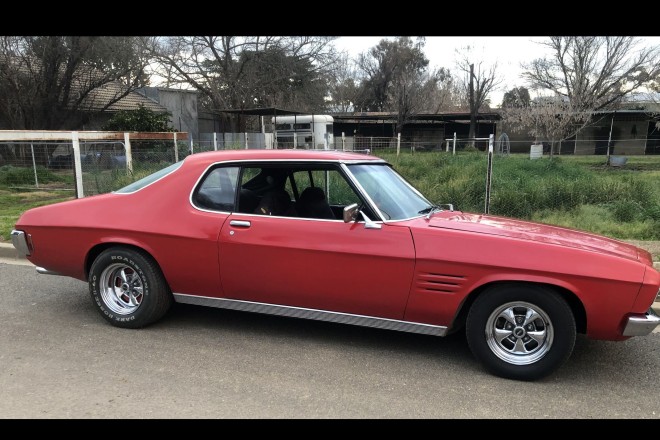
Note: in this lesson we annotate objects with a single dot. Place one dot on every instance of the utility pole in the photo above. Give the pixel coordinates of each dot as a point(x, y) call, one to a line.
point(473, 110)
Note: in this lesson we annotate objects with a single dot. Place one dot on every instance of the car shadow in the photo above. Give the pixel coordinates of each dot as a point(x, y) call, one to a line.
point(451, 348)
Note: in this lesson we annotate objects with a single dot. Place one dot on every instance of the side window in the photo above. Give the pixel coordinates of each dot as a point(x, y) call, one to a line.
point(262, 191)
point(325, 195)
point(340, 192)
point(301, 179)
point(217, 191)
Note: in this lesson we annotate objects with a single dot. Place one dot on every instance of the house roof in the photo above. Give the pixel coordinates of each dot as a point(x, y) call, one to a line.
point(99, 97)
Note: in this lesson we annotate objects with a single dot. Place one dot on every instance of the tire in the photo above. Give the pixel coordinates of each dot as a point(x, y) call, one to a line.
point(509, 346)
point(128, 288)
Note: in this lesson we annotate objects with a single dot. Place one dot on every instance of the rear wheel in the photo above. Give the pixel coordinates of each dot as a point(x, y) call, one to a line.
point(128, 288)
point(519, 331)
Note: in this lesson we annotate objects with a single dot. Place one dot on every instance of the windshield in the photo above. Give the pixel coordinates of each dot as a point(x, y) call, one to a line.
point(151, 178)
point(393, 196)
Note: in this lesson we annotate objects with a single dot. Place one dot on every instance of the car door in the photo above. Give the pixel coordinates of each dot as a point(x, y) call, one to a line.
point(317, 264)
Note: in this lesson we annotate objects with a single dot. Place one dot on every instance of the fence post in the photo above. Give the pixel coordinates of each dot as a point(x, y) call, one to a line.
point(489, 173)
point(191, 144)
point(77, 168)
point(215, 141)
point(34, 166)
point(398, 143)
point(176, 149)
point(453, 151)
point(129, 154)
point(343, 141)
point(246, 140)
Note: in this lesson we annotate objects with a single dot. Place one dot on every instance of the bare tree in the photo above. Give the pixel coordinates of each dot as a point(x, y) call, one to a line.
point(344, 89)
point(594, 73)
point(442, 92)
point(583, 75)
point(236, 73)
point(546, 118)
point(479, 80)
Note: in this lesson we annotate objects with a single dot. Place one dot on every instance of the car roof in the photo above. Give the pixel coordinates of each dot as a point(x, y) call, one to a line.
point(210, 157)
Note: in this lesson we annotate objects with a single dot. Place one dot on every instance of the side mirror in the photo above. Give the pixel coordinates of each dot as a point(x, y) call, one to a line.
point(350, 215)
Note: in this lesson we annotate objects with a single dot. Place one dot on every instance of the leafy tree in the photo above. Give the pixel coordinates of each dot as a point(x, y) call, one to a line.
point(395, 79)
point(51, 82)
point(240, 73)
point(516, 97)
point(141, 119)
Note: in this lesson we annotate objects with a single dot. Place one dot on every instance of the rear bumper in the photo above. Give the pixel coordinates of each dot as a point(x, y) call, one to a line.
point(19, 240)
point(641, 325)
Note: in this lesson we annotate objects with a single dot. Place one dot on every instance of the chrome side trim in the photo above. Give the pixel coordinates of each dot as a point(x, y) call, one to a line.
point(44, 271)
point(19, 240)
point(641, 325)
point(315, 314)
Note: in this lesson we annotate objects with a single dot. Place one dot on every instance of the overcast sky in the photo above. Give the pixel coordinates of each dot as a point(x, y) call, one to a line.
point(508, 52)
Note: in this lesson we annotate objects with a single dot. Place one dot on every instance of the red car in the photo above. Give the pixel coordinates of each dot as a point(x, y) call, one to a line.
point(342, 237)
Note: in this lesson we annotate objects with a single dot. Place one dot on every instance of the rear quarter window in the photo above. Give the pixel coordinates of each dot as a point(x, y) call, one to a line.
point(148, 180)
point(217, 190)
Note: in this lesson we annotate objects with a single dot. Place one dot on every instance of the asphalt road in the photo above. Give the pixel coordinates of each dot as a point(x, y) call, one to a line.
point(60, 360)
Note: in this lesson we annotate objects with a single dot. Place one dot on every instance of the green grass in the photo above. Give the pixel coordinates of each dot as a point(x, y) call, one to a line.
point(574, 191)
point(24, 176)
point(13, 204)
point(580, 192)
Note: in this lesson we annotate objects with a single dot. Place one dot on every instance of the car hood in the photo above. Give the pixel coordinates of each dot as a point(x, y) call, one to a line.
point(538, 232)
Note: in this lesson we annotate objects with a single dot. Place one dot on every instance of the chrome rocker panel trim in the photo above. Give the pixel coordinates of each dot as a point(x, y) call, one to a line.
point(315, 314)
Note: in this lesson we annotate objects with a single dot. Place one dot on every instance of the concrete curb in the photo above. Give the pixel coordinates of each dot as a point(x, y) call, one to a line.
point(8, 251)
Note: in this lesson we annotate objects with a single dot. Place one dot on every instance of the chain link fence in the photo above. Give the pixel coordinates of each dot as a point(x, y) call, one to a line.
point(104, 165)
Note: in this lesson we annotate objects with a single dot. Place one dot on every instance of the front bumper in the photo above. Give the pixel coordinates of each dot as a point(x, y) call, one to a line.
point(19, 240)
point(641, 325)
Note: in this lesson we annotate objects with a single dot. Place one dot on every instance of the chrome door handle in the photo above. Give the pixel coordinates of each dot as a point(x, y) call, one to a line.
point(240, 223)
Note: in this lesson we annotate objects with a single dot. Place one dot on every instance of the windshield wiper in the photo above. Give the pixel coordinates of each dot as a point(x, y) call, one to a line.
point(429, 210)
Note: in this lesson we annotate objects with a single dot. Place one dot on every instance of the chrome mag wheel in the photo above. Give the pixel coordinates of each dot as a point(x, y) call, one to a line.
point(519, 333)
point(121, 288)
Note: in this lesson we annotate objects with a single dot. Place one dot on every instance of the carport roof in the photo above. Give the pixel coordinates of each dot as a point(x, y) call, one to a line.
point(262, 111)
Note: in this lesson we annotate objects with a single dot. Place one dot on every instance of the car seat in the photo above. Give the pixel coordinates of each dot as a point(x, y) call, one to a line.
point(274, 202)
point(312, 204)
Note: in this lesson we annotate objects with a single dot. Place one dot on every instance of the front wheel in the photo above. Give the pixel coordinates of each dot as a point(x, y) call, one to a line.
point(522, 332)
point(128, 288)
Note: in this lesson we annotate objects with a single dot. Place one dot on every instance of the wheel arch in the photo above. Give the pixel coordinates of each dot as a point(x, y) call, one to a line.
point(574, 303)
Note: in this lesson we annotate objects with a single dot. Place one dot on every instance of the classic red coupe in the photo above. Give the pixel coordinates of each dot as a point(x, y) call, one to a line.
point(342, 237)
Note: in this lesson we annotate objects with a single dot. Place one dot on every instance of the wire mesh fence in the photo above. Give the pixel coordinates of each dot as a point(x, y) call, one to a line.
point(524, 184)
